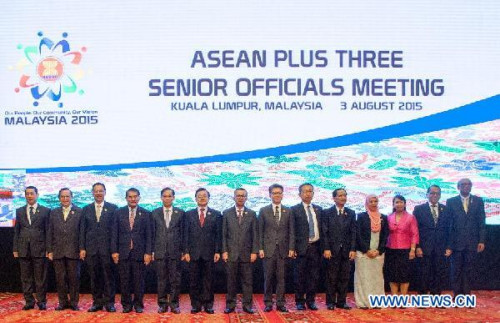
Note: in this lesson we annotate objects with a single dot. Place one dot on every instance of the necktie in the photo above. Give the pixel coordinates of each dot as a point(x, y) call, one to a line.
point(167, 217)
point(466, 205)
point(65, 213)
point(240, 216)
point(31, 214)
point(98, 212)
point(434, 214)
point(341, 211)
point(277, 215)
point(202, 217)
point(132, 218)
point(311, 222)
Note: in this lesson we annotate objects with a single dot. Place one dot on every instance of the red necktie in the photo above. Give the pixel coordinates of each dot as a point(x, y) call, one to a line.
point(202, 216)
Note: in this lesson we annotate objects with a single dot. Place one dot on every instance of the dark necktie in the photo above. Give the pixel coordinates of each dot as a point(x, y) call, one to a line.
point(311, 222)
point(202, 217)
point(31, 214)
point(277, 215)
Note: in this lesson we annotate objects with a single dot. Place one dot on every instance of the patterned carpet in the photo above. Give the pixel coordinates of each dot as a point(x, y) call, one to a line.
point(486, 311)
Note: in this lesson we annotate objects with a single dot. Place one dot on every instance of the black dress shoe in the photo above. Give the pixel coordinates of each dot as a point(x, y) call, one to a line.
point(282, 309)
point(60, 307)
point(162, 309)
point(42, 306)
point(139, 309)
point(330, 307)
point(268, 308)
point(195, 310)
point(176, 310)
point(209, 310)
point(127, 309)
point(248, 310)
point(74, 308)
point(312, 307)
point(344, 307)
point(28, 307)
point(301, 307)
point(95, 308)
point(110, 308)
point(228, 310)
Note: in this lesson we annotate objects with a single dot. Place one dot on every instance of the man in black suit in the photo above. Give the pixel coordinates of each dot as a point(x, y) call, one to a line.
point(131, 249)
point(277, 242)
point(202, 246)
point(467, 234)
point(240, 246)
point(339, 248)
point(433, 226)
point(167, 250)
point(64, 249)
point(97, 225)
point(307, 248)
point(30, 247)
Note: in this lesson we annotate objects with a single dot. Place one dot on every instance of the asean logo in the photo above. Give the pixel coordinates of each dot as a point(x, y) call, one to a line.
point(50, 69)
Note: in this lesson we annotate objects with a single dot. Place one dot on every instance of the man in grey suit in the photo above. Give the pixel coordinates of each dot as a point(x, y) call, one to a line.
point(95, 236)
point(29, 246)
point(277, 242)
point(167, 250)
point(240, 246)
point(64, 249)
point(467, 234)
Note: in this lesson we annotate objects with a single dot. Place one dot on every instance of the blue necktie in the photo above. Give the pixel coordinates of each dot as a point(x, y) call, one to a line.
point(311, 222)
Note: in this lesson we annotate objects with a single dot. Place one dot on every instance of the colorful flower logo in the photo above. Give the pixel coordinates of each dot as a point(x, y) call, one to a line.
point(48, 69)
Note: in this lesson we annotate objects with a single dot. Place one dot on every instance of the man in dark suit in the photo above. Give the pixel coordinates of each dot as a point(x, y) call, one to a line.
point(131, 249)
point(64, 249)
point(202, 246)
point(240, 246)
point(307, 248)
point(277, 242)
point(433, 226)
point(30, 247)
point(467, 234)
point(167, 250)
point(339, 248)
point(97, 225)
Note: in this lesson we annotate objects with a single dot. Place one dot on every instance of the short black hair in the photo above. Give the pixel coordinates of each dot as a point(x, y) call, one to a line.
point(132, 189)
point(97, 184)
point(430, 187)
point(398, 197)
point(65, 189)
point(335, 191)
point(201, 189)
point(305, 184)
point(167, 189)
point(31, 188)
point(275, 186)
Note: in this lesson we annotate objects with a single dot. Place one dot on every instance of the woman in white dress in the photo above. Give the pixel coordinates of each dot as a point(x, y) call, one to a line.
point(372, 232)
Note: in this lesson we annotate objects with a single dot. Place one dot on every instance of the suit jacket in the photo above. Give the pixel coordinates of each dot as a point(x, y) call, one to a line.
point(203, 242)
point(364, 231)
point(96, 236)
point(140, 234)
point(467, 229)
point(167, 242)
point(31, 239)
point(240, 240)
point(64, 236)
point(337, 234)
point(301, 223)
point(272, 234)
point(433, 237)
